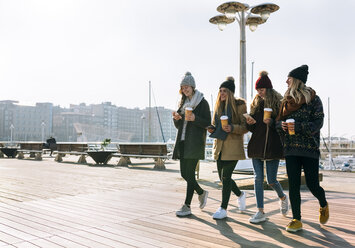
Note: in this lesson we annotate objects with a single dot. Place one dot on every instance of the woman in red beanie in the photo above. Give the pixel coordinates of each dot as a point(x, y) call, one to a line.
point(265, 146)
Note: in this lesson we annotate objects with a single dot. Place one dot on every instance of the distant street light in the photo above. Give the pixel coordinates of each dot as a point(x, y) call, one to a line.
point(246, 16)
point(143, 118)
point(11, 132)
point(43, 125)
point(352, 141)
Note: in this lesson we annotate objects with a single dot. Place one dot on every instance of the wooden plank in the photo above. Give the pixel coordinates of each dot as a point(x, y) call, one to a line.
point(8, 238)
point(67, 243)
point(45, 243)
point(135, 234)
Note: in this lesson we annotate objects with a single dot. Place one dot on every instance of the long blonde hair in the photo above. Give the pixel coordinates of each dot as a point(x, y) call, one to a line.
point(299, 91)
point(272, 100)
point(221, 106)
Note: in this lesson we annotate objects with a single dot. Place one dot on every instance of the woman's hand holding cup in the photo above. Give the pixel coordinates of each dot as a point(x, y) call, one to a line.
point(267, 121)
point(284, 126)
point(190, 117)
point(227, 128)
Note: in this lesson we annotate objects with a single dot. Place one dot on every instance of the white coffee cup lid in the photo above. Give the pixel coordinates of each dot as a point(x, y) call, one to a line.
point(268, 109)
point(188, 108)
point(290, 120)
point(224, 117)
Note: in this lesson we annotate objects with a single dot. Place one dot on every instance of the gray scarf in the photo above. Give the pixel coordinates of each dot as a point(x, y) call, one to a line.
point(195, 100)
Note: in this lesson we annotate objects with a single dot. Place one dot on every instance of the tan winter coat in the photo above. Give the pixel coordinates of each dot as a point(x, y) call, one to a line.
point(232, 147)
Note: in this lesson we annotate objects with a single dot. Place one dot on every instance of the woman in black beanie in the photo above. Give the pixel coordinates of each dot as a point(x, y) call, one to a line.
point(301, 142)
point(228, 146)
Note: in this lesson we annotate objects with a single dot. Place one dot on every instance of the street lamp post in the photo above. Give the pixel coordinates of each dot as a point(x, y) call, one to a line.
point(43, 125)
point(143, 118)
point(11, 132)
point(246, 16)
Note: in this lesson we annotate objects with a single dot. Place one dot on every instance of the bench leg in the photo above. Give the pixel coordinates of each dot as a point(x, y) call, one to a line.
point(82, 159)
point(58, 158)
point(38, 156)
point(124, 161)
point(20, 155)
point(159, 164)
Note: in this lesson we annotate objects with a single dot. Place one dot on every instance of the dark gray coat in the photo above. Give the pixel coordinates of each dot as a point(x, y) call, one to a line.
point(195, 136)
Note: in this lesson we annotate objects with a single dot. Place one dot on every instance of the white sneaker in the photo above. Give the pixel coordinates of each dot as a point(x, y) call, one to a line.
point(257, 217)
point(221, 213)
point(183, 211)
point(241, 201)
point(203, 199)
point(284, 206)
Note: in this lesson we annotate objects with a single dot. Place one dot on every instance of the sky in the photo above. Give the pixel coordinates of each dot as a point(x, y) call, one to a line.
point(94, 51)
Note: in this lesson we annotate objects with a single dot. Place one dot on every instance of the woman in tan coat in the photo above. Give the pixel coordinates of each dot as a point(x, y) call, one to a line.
point(228, 145)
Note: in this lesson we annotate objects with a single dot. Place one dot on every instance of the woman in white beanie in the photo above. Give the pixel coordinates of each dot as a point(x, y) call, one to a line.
point(191, 139)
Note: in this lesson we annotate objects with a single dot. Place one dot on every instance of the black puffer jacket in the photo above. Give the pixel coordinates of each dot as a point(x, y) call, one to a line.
point(195, 135)
point(264, 144)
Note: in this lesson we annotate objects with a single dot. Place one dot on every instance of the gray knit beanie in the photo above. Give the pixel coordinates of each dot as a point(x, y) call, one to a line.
point(188, 80)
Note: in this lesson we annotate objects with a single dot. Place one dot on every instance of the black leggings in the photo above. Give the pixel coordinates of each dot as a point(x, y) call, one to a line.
point(187, 170)
point(294, 165)
point(225, 170)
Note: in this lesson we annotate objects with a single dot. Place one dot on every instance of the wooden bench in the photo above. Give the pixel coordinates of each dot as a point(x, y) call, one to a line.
point(35, 149)
point(157, 151)
point(79, 149)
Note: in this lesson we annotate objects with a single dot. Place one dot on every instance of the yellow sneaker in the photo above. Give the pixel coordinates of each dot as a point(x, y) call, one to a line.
point(324, 214)
point(294, 226)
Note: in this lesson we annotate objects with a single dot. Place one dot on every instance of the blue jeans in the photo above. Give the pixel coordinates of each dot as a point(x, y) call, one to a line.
point(271, 173)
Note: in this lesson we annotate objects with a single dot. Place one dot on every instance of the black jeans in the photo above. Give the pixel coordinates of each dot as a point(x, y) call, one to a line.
point(225, 169)
point(187, 170)
point(294, 165)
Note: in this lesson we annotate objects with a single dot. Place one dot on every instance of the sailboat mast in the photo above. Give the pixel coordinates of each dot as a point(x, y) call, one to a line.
point(149, 114)
point(329, 138)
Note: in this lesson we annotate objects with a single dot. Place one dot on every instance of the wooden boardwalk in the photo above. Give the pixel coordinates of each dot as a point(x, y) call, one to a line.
point(49, 204)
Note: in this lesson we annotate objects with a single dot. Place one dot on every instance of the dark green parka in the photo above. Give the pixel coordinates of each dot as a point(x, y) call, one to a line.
point(195, 135)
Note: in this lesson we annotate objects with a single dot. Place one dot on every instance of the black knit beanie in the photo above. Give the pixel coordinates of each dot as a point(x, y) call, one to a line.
point(229, 84)
point(300, 73)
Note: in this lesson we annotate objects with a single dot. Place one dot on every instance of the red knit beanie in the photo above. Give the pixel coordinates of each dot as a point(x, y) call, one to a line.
point(263, 81)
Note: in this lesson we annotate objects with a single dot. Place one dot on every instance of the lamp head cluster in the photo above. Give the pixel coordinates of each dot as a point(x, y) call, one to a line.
point(256, 15)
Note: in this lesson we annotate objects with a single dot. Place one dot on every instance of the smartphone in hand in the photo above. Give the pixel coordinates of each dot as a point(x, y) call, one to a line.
point(211, 128)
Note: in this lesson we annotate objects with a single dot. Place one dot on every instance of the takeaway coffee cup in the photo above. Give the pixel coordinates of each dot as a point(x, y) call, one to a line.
point(291, 126)
point(267, 113)
point(188, 111)
point(224, 120)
